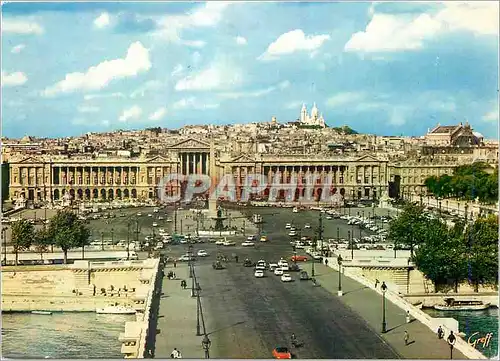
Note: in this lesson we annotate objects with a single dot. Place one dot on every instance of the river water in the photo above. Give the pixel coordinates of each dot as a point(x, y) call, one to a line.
point(470, 322)
point(62, 335)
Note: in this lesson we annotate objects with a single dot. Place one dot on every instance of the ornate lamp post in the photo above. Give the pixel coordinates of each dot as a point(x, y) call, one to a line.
point(102, 241)
point(198, 309)
point(384, 325)
point(351, 243)
point(315, 243)
point(339, 261)
point(338, 234)
point(206, 345)
point(112, 236)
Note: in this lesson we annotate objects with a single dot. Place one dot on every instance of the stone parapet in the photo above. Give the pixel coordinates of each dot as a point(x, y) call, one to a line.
point(415, 312)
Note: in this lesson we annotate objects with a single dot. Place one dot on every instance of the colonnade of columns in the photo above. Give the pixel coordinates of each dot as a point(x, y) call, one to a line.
point(194, 163)
point(93, 176)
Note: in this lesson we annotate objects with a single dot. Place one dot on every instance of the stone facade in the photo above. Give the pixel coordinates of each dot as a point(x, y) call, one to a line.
point(42, 178)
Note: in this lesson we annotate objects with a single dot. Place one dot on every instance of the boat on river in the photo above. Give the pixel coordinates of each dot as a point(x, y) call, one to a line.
point(41, 312)
point(453, 305)
point(116, 310)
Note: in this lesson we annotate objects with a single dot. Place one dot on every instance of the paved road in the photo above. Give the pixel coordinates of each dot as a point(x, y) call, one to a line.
point(247, 317)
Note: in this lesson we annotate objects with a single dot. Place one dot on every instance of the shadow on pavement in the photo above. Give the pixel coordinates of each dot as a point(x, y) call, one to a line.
point(395, 327)
point(224, 328)
point(356, 290)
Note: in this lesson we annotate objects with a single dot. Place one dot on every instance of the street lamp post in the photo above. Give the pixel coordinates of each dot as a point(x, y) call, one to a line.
point(102, 241)
point(198, 307)
point(128, 240)
point(314, 259)
point(384, 325)
point(206, 345)
point(112, 236)
point(4, 239)
point(351, 243)
point(339, 261)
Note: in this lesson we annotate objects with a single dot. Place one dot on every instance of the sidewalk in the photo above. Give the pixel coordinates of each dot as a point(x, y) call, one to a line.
point(177, 318)
point(424, 343)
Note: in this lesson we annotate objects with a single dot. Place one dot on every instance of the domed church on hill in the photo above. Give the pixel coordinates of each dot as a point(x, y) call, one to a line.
point(314, 119)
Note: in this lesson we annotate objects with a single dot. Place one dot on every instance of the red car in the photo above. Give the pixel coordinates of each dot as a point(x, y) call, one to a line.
point(298, 258)
point(282, 353)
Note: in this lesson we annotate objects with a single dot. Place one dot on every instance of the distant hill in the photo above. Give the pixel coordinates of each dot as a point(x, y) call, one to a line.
point(345, 129)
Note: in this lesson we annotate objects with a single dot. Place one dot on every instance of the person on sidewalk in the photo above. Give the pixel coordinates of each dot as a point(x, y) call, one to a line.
point(408, 317)
point(407, 338)
point(440, 332)
point(174, 353)
point(326, 262)
point(376, 282)
point(175, 264)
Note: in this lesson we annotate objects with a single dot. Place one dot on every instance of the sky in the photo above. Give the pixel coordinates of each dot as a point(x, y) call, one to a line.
point(380, 68)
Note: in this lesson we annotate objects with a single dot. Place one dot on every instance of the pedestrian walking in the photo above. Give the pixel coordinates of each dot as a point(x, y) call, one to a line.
point(175, 263)
point(376, 282)
point(174, 353)
point(326, 262)
point(407, 338)
point(451, 341)
point(440, 332)
point(408, 317)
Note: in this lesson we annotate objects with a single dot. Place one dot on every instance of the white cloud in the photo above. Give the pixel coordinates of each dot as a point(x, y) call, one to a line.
point(100, 96)
point(397, 116)
point(257, 93)
point(87, 109)
point(194, 43)
point(147, 86)
point(99, 76)
point(21, 26)
point(158, 114)
point(177, 70)
point(192, 103)
point(13, 79)
point(292, 42)
point(492, 116)
point(196, 58)
point(240, 40)
point(17, 49)
point(207, 15)
point(131, 113)
point(102, 21)
point(219, 75)
point(294, 105)
point(340, 99)
point(390, 32)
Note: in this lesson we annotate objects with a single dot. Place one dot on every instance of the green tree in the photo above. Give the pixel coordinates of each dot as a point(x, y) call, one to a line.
point(83, 236)
point(442, 256)
point(42, 241)
point(67, 231)
point(408, 228)
point(23, 234)
point(482, 250)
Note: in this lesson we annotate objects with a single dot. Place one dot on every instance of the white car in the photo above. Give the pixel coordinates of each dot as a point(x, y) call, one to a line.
point(286, 278)
point(220, 242)
point(273, 266)
point(292, 233)
point(261, 265)
point(278, 272)
point(281, 262)
point(184, 258)
point(284, 267)
point(202, 253)
point(248, 244)
point(251, 238)
point(307, 226)
point(229, 243)
point(259, 273)
point(288, 226)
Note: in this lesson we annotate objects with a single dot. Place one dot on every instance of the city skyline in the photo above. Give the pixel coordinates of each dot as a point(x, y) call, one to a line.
point(380, 68)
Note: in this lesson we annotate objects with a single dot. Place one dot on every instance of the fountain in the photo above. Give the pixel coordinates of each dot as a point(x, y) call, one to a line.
point(219, 225)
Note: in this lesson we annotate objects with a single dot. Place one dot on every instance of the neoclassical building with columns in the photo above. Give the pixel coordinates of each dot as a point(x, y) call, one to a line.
point(41, 178)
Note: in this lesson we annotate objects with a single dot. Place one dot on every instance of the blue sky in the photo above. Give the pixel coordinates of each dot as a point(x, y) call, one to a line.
point(381, 68)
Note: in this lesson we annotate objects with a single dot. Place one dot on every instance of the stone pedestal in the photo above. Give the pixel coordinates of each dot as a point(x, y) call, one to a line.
point(212, 207)
point(340, 293)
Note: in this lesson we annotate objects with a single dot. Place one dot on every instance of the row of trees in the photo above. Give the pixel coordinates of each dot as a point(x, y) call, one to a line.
point(468, 182)
point(449, 256)
point(65, 231)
